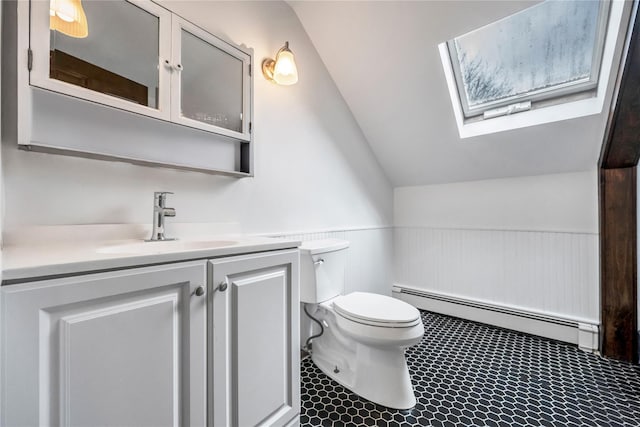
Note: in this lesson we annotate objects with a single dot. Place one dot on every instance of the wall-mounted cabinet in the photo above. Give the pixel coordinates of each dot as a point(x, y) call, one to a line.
point(145, 85)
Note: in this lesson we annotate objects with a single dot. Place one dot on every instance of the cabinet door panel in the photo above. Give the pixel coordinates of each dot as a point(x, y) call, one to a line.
point(255, 352)
point(124, 348)
point(205, 97)
point(107, 355)
point(120, 62)
point(262, 310)
point(211, 87)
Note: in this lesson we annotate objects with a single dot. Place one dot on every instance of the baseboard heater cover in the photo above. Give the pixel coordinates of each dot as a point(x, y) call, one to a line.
point(582, 333)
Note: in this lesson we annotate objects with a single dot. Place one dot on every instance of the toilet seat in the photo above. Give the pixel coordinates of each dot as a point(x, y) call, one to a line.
point(376, 310)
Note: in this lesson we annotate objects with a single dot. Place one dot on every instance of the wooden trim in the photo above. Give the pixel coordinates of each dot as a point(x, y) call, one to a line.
point(621, 148)
point(618, 208)
point(81, 73)
point(618, 262)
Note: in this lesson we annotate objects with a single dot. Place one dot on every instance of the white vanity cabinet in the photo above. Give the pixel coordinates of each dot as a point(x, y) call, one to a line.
point(123, 348)
point(254, 361)
point(194, 343)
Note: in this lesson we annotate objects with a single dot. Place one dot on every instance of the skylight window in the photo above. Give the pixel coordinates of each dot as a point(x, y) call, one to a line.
point(551, 51)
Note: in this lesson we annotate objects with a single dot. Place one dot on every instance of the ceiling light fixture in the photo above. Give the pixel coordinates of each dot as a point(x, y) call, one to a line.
point(68, 17)
point(282, 70)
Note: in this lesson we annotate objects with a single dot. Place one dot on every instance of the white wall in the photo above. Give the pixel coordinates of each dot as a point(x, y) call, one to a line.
point(559, 202)
point(529, 242)
point(314, 169)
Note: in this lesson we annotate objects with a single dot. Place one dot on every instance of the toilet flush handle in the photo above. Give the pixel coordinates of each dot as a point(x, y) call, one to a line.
point(320, 261)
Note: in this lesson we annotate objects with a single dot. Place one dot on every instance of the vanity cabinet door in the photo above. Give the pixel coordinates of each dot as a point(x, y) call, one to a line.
point(254, 371)
point(211, 82)
point(125, 348)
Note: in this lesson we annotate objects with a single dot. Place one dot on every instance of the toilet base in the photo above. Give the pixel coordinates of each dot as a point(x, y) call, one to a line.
point(378, 374)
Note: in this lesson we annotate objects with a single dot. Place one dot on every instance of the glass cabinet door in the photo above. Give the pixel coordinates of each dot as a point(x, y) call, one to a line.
point(210, 88)
point(114, 52)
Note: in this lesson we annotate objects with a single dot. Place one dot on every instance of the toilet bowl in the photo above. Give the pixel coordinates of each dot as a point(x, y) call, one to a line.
point(364, 335)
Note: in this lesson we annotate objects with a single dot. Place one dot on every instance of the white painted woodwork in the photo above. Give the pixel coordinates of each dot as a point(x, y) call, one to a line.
point(120, 348)
point(178, 25)
point(583, 334)
point(551, 273)
point(254, 349)
point(170, 103)
point(105, 125)
point(108, 131)
point(40, 45)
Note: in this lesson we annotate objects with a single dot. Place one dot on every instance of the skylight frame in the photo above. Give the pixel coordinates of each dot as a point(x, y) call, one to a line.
point(562, 92)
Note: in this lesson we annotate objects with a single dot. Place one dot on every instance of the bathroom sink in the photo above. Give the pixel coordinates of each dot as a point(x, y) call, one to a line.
point(144, 248)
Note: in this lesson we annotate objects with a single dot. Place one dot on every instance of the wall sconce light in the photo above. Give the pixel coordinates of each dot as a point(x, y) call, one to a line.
point(282, 70)
point(68, 17)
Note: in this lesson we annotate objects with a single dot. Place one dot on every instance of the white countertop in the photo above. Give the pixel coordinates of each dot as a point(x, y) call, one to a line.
point(40, 252)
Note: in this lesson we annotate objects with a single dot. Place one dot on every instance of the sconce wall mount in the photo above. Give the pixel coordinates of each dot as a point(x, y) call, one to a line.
point(281, 70)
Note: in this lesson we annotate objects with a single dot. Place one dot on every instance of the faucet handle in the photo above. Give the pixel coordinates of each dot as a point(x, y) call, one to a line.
point(161, 193)
point(159, 198)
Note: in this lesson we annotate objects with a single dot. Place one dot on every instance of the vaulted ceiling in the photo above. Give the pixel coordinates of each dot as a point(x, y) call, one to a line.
point(383, 56)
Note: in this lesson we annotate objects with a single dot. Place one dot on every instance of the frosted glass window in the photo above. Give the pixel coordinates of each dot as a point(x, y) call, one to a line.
point(552, 49)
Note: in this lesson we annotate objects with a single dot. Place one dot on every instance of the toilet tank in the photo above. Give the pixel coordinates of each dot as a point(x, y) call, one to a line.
point(322, 264)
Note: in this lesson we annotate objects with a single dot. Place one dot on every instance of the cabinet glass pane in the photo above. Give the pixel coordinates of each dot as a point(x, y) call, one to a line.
point(119, 56)
point(211, 84)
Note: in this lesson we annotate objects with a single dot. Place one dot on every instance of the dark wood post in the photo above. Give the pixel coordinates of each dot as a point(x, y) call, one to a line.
point(618, 212)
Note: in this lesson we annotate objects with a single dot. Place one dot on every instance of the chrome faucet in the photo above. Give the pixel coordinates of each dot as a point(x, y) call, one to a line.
point(160, 211)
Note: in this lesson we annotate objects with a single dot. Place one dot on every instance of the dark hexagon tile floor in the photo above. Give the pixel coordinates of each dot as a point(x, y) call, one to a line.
point(470, 374)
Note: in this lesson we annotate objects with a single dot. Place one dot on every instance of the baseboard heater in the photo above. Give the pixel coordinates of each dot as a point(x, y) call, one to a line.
point(579, 332)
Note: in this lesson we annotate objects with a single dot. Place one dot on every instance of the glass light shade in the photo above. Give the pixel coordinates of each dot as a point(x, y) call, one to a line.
point(285, 71)
point(68, 17)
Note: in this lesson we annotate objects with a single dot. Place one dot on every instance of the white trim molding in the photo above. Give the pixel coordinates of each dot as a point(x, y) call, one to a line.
point(566, 111)
point(551, 273)
point(581, 332)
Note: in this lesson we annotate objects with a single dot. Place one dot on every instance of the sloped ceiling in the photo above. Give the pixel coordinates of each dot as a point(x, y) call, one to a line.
point(383, 57)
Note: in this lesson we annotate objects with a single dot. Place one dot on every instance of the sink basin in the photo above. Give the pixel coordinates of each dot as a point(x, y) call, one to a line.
point(144, 248)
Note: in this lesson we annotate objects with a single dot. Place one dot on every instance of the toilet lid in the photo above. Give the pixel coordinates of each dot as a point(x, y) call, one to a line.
point(376, 309)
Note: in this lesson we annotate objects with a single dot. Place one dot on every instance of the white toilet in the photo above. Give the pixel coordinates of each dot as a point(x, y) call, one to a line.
point(365, 335)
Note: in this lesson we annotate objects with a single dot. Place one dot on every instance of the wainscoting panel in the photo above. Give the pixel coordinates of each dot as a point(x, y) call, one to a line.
point(369, 257)
point(550, 273)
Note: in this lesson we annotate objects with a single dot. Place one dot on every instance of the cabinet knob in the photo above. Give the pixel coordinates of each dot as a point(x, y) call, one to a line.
point(178, 67)
point(222, 287)
point(200, 291)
